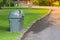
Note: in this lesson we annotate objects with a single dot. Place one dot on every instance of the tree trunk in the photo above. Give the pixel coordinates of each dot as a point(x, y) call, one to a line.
point(9, 3)
point(18, 2)
point(0, 6)
point(31, 3)
point(50, 3)
point(59, 3)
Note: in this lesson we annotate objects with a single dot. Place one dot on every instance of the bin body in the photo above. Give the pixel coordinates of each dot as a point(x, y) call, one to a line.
point(16, 20)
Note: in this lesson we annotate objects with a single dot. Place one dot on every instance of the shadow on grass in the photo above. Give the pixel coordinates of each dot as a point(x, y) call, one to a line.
point(40, 25)
point(4, 28)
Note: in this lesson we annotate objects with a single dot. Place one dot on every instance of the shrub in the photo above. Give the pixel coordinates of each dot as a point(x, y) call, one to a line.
point(43, 3)
point(56, 3)
point(36, 2)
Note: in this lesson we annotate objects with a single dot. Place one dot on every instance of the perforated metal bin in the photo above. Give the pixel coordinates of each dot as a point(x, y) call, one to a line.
point(16, 21)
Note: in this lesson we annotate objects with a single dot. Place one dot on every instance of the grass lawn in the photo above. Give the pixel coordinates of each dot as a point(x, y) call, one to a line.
point(30, 16)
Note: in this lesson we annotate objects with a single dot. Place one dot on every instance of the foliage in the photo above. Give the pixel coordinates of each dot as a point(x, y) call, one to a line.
point(56, 3)
point(41, 2)
point(1, 1)
point(44, 2)
point(59, 2)
point(36, 2)
point(7, 2)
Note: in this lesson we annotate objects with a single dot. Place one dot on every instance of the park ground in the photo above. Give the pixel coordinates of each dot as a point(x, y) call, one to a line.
point(30, 15)
point(47, 28)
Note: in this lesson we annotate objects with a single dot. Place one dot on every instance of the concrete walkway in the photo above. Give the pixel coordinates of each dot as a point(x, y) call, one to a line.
point(50, 7)
point(47, 28)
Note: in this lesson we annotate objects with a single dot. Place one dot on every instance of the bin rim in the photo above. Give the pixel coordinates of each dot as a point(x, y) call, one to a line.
point(16, 14)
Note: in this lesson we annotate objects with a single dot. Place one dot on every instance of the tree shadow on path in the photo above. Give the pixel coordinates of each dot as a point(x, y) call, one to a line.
point(40, 25)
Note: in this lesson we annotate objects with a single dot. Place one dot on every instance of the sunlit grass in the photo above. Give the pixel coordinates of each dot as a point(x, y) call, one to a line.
point(30, 15)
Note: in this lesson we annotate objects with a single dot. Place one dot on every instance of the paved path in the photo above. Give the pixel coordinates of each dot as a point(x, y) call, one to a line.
point(47, 28)
point(49, 7)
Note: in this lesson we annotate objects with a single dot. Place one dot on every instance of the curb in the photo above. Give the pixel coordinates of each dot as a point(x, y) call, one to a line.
point(27, 30)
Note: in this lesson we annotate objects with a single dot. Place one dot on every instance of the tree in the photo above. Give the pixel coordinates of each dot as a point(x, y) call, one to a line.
point(41, 2)
point(30, 4)
point(9, 3)
point(59, 2)
point(36, 2)
point(18, 2)
point(44, 2)
point(1, 3)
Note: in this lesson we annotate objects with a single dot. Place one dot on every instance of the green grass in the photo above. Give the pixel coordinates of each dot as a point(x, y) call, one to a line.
point(29, 17)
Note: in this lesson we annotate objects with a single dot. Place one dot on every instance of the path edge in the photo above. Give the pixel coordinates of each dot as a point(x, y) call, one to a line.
point(25, 31)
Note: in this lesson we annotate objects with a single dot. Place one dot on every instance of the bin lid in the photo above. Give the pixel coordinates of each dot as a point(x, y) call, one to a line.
point(16, 14)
